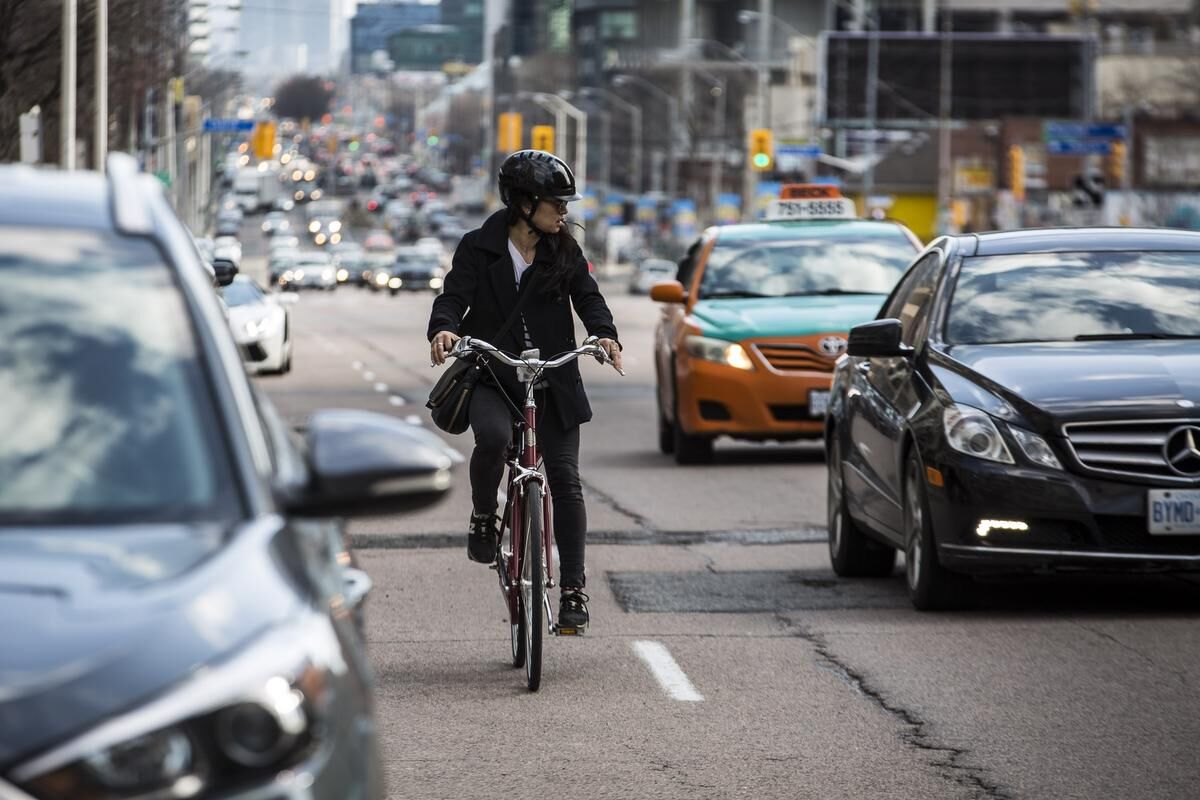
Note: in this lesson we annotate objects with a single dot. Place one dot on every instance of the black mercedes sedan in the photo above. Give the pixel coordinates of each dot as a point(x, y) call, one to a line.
point(1024, 401)
point(180, 614)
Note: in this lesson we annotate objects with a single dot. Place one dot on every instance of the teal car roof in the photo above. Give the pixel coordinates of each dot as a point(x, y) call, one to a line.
point(851, 229)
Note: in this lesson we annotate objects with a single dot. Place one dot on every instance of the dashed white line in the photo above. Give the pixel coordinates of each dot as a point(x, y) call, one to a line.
point(396, 400)
point(413, 419)
point(668, 673)
point(358, 365)
point(381, 387)
point(368, 376)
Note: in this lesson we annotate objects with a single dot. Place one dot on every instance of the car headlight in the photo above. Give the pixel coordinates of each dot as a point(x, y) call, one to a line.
point(298, 275)
point(314, 226)
point(298, 194)
point(1035, 448)
point(381, 278)
point(719, 351)
point(335, 226)
point(327, 275)
point(243, 720)
point(395, 283)
point(335, 239)
point(435, 283)
point(319, 238)
point(343, 275)
point(256, 327)
point(972, 432)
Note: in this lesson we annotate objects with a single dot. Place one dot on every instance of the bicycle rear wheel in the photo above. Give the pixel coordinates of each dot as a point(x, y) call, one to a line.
point(533, 583)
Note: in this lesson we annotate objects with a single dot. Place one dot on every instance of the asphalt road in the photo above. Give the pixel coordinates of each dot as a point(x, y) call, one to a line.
point(797, 684)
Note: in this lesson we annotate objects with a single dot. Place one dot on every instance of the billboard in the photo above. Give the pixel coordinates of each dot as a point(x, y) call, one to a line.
point(992, 76)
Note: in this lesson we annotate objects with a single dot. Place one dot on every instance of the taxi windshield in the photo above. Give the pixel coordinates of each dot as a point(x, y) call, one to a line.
point(799, 267)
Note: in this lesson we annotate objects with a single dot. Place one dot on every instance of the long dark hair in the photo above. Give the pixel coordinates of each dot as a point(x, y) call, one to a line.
point(553, 282)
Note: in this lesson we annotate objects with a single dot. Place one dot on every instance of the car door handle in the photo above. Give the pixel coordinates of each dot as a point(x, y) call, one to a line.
point(356, 585)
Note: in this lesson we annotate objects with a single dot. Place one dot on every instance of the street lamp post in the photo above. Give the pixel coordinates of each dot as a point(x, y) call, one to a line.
point(635, 121)
point(673, 107)
point(100, 140)
point(553, 101)
point(66, 116)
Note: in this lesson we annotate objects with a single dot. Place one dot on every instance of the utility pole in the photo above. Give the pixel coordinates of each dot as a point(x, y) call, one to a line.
point(687, 9)
point(66, 117)
point(944, 111)
point(868, 183)
point(100, 139)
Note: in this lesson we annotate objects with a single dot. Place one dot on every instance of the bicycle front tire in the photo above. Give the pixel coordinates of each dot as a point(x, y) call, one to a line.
point(533, 583)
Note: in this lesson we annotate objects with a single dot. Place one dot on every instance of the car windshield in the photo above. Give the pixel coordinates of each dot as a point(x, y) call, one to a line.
point(799, 267)
point(1063, 297)
point(242, 293)
point(105, 414)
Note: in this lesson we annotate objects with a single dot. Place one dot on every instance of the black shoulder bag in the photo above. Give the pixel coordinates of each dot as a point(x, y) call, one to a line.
point(450, 398)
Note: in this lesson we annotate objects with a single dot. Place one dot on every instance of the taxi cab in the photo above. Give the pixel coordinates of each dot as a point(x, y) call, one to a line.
point(759, 313)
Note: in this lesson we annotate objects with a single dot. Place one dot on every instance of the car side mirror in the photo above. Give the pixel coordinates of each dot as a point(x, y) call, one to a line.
point(368, 464)
point(225, 271)
point(667, 292)
point(877, 339)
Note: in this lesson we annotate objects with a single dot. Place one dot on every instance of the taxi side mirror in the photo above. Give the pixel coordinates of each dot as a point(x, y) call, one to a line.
point(667, 292)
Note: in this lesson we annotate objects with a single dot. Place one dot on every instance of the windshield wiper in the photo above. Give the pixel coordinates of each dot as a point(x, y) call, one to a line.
point(734, 293)
point(1115, 337)
point(830, 293)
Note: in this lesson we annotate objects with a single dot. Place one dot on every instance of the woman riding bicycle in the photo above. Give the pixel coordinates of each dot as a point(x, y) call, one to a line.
point(526, 248)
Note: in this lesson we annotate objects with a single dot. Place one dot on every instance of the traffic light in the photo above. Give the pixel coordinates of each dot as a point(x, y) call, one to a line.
point(542, 138)
point(1016, 171)
point(762, 150)
point(508, 132)
point(262, 141)
point(1116, 162)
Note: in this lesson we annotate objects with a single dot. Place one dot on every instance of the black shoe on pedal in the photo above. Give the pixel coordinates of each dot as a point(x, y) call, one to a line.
point(482, 538)
point(572, 612)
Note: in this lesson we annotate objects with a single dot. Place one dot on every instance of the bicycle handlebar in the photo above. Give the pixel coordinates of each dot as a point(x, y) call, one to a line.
point(468, 344)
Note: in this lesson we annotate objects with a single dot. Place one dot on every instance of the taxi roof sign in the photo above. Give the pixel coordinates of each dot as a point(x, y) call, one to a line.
point(810, 201)
point(809, 191)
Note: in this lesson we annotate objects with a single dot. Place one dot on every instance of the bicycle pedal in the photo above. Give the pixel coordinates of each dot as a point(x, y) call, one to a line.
point(568, 631)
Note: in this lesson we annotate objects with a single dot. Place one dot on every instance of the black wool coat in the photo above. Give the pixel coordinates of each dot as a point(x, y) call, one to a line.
point(480, 292)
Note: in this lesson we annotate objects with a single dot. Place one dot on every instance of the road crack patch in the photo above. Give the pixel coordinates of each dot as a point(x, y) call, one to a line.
point(950, 763)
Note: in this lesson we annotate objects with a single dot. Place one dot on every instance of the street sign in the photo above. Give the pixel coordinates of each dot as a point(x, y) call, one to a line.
point(1081, 130)
point(1078, 147)
point(217, 125)
point(798, 150)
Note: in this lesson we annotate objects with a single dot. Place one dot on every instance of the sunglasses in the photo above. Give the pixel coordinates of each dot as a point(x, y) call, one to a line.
point(559, 205)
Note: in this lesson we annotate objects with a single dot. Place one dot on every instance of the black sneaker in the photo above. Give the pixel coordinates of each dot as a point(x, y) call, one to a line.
point(572, 612)
point(482, 538)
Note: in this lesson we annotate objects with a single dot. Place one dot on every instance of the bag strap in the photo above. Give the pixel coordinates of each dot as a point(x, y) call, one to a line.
point(522, 296)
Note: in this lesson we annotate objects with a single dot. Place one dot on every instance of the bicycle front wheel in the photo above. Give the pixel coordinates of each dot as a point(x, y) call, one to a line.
point(533, 583)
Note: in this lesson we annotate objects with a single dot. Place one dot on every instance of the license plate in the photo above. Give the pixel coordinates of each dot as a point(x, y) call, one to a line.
point(818, 402)
point(1173, 511)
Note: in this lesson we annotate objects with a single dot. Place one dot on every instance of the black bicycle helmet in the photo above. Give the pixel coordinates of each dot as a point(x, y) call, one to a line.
point(541, 175)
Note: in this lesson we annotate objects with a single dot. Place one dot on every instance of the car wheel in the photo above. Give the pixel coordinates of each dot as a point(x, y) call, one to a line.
point(689, 449)
point(931, 587)
point(852, 553)
point(666, 432)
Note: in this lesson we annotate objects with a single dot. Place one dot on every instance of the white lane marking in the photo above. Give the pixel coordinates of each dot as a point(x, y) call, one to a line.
point(413, 419)
point(396, 400)
point(668, 674)
point(368, 376)
point(358, 365)
point(381, 387)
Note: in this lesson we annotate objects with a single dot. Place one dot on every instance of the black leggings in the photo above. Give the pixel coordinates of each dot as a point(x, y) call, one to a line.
point(492, 422)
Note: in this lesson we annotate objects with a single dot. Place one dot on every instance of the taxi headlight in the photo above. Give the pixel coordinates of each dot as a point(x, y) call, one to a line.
point(719, 351)
point(973, 433)
point(248, 718)
point(1035, 448)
